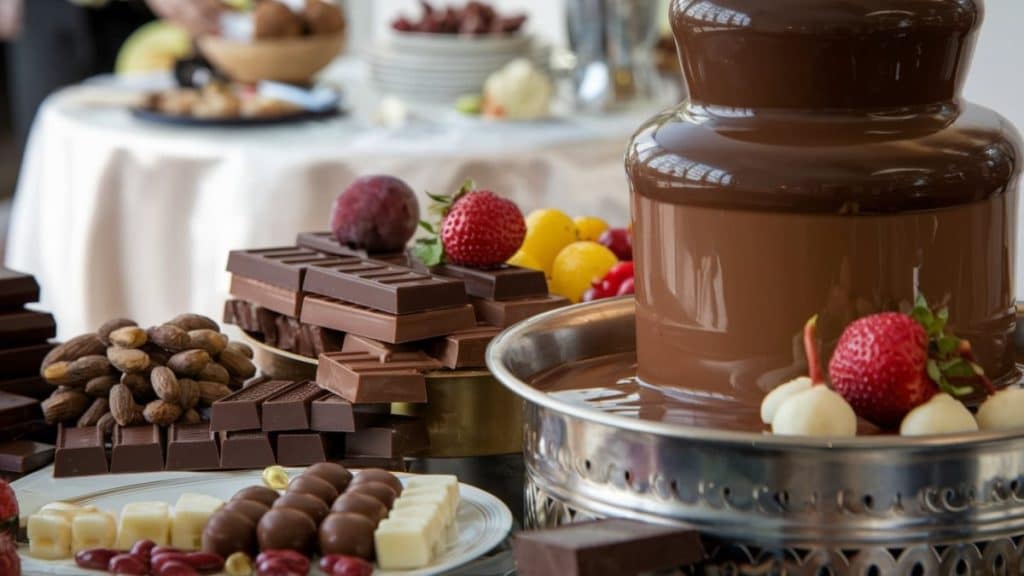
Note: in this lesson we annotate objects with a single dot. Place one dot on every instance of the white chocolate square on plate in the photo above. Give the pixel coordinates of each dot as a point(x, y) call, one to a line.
point(49, 535)
point(403, 544)
point(144, 521)
point(96, 529)
point(190, 515)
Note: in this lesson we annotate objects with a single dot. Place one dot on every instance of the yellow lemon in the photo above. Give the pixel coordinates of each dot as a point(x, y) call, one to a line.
point(589, 227)
point(577, 266)
point(525, 260)
point(547, 232)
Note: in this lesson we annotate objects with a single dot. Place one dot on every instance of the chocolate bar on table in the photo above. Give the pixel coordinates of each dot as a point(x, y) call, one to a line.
point(17, 289)
point(245, 450)
point(395, 437)
point(466, 349)
point(504, 283)
point(382, 286)
point(362, 378)
point(504, 313)
point(382, 350)
point(79, 452)
point(611, 547)
point(302, 448)
point(332, 413)
point(192, 447)
point(280, 300)
point(22, 361)
point(22, 327)
point(327, 243)
point(31, 386)
point(393, 328)
point(305, 339)
point(137, 449)
point(15, 409)
point(24, 456)
point(283, 267)
point(241, 409)
point(289, 409)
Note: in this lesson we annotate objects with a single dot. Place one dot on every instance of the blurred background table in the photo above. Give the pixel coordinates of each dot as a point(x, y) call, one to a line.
point(117, 216)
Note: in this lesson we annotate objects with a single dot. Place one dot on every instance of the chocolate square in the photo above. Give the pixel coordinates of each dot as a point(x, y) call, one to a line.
point(79, 452)
point(192, 447)
point(137, 449)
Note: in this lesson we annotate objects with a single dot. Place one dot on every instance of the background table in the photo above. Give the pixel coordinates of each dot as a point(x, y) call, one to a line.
point(116, 216)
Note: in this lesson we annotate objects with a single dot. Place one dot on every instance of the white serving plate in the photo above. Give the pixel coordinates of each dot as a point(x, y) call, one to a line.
point(456, 44)
point(483, 520)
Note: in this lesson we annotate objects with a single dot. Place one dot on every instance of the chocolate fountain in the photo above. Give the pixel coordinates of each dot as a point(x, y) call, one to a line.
point(823, 163)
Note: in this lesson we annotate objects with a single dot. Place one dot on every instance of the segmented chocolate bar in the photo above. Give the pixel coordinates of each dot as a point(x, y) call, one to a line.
point(17, 289)
point(393, 328)
point(503, 283)
point(289, 408)
point(360, 377)
point(382, 286)
point(466, 349)
point(241, 410)
point(504, 313)
point(283, 266)
point(137, 449)
point(326, 242)
point(192, 447)
point(79, 452)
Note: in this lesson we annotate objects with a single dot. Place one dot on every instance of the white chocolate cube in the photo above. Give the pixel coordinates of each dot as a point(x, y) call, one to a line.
point(403, 544)
point(93, 530)
point(66, 509)
point(434, 515)
point(420, 496)
point(448, 481)
point(49, 536)
point(144, 521)
point(190, 515)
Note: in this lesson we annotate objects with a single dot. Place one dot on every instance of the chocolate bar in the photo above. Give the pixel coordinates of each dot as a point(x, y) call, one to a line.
point(332, 413)
point(395, 438)
point(289, 409)
point(350, 318)
point(326, 242)
point(382, 350)
point(384, 287)
point(281, 300)
point(24, 327)
point(283, 267)
point(17, 289)
point(15, 409)
point(362, 378)
point(24, 456)
point(245, 450)
point(79, 452)
point(504, 313)
point(301, 448)
point(466, 349)
point(23, 360)
point(504, 283)
point(611, 547)
point(192, 447)
point(32, 386)
point(241, 409)
point(304, 339)
point(137, 449)
point(243, 314)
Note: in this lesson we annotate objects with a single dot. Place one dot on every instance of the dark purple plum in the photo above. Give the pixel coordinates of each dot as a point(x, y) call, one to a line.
point(378, 214)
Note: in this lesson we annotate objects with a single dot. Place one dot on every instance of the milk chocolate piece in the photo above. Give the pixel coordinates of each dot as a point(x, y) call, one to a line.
point(332, 413)
point(326, 242)
point(283, 267)
point(301, 448)
point(362, 504)
point(241, 410)
point(505, 283)
point(315, 486)
point(271, 297)
point(261, 494)
point(289, 408)
point(286, 529)
point(466, 349)
point(505, 313)
point(348, 534)
point(79, 452)
point(227, 532)
point(398, 437)
point(379, 490)
point(382, 350)
point(245, 450)
point(378, 475)
point(304, 339)
point(24, 456)
point(242, 313)
point(308, 504)
point(23, 327)
point(192, 447)
point(15, 409)
point(137, 449)
point(354, 319)
point(22, 361)
point(610, 547)
point(334, 474)
point(362, 378)
point(32, 386)
point(17, 289)
point(251, 509)
point(384, 287)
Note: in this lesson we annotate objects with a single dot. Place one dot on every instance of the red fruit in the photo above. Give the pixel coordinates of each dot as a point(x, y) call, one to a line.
point(619, 241)
point(127, 564)
point(619, 273)
point(10, 564)
point(627, 287)
point(8, 510)
point(879, 367)
point(375, 213)
point(482, 230)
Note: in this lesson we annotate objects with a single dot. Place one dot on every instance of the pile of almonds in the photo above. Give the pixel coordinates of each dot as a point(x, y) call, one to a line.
point(128, 375)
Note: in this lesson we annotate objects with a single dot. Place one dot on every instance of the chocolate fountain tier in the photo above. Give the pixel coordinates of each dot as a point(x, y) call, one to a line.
point(823, 163)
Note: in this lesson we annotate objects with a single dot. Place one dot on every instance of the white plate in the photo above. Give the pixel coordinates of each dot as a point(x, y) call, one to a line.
point(483, 520)
point(456, 44)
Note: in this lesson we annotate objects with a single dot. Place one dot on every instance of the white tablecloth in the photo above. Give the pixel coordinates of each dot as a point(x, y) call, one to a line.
point(116, 216)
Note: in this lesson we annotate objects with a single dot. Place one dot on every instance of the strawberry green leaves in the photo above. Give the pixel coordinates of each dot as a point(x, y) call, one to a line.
point(950, 361)
point(430, 250)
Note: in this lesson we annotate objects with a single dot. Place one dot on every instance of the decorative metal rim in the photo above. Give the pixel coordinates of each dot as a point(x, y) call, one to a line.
point(511, 341)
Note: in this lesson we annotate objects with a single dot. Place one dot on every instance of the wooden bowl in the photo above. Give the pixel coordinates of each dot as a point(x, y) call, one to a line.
point(293, 60)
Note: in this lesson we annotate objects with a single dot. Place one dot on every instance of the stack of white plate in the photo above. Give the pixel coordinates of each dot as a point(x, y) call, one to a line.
point(438, 68)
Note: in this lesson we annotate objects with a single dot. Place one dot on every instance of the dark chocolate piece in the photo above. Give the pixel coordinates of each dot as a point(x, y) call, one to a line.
point(384, 287)
point(31, 386)
point(332, 413)
point(606, 547)
point(192, 447)
point(505, 283)
point(17, 289)
point(283, 267)
point(24, 327)
point(24, 456)
point(466, 349)
point(304, 339)
point(382, 350)
point(79, 452)
point(504, 313)
point(362, 378)
point(241, 409)
point(15, 409)
point(326, 242)
point(242, 313)
point(245, 450)
point(288, 409)
point(271, 297)
point(22, 361)
point(397, 437)
point(350, 318)
point(301, 448)
point(137, 449)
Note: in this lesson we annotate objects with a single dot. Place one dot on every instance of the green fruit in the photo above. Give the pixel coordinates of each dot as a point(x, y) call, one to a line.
point(153, 48)
point(469, 104)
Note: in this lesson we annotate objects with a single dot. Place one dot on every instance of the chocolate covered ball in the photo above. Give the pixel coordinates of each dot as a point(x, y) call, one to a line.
point(335, 474)
point(362, 504)
point(272, 19)
point(323, 18)
point(257, 493)
point(378, 475)
point(306, 503)
point(379, 490)
point(227, 532)
point(348, 534)
point(318, 487)
point(251, 509)
point(286, 529)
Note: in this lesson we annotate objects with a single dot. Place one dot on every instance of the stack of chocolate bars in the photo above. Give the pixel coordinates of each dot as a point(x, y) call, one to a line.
point(24, 342)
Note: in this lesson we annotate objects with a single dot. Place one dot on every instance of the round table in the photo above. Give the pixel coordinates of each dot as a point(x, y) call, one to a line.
point(119, 217)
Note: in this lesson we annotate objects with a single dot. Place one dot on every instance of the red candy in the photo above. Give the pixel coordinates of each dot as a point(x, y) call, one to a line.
point(341, 565)
point(95, 558)
point(127, 564)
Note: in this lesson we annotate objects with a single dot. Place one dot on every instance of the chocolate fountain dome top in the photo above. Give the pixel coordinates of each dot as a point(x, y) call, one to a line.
point(824, 53)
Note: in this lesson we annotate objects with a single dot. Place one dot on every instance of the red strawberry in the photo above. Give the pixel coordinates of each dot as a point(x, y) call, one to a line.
point(8, 510)
point(887, 364)
point(10, 564)
point(479, 229)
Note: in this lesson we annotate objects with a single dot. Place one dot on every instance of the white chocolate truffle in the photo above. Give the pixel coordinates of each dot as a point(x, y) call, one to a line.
point(1002, 410)
point(776, 397)
point(518, 92)
point(815, 412)
point(942, 414)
